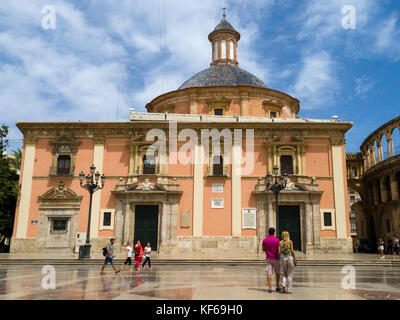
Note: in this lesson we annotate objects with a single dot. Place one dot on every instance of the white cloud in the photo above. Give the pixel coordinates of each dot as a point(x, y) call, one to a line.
point(316, 84)
point(388, 37)
point(363, 85)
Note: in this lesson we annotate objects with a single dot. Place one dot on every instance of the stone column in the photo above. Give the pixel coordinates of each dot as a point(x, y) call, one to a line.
point(236, 191)
point(270, 216)
point(119, 221)
point(198, 191)
point(131, 159)
point(164, 224)
point(173, 222)
point(193, 104)
point(126, 222)
point(391, 145)
point(244, 102)
point(261, 223)
point(388, 148)
point(26, 188)
point(98, 155)
point(303, 159)
point(339, 187)
point(316, 225)
point(309, 231)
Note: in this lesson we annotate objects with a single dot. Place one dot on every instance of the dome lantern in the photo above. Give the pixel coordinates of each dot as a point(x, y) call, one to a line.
point(224, 40)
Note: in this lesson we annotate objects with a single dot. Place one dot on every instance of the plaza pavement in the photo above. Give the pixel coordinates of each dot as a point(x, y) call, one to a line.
point(197, 282)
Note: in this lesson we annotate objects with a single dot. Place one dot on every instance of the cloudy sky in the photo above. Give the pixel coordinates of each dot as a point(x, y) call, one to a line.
point(105, 56)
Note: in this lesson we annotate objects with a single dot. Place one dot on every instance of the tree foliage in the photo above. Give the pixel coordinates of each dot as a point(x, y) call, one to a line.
point(8, 188)
point(16, 161)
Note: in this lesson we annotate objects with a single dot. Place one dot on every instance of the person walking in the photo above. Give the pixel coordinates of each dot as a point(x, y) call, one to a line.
point(147, 251)
point(138, 254)
point(128, 260)
point(270, 246)
point(381, 248)
point(396, 246)
point(109, 257)
point(288, 261)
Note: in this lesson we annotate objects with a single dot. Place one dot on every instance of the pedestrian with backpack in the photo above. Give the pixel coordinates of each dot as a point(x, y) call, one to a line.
point(138, 254)
point(108, 251)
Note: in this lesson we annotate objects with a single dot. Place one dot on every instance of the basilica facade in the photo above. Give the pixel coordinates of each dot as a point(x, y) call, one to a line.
point(166, 183)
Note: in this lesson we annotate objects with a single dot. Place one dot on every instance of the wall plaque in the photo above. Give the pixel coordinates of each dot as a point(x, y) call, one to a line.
point(249, 218)
point(185, 219)
point(217, 203)
point(217, 187)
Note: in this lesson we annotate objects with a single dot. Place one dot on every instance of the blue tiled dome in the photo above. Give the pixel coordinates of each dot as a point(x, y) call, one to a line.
point(223, 75)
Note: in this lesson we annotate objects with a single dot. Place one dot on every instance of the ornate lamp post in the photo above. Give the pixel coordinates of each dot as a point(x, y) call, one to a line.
point(276, 187)
point(92, 185)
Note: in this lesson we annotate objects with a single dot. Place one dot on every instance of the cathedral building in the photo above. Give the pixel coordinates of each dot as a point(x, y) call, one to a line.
point(167, 183)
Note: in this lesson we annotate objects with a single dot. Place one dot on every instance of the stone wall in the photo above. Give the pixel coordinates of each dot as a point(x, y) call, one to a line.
point(333, 245)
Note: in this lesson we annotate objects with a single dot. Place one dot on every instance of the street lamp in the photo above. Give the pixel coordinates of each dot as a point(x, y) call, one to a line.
point(92, 185)
point(276, 187)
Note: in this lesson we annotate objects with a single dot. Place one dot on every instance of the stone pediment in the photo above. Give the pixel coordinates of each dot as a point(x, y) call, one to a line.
point(145, 185)
point(63, 143)
point(60, 193)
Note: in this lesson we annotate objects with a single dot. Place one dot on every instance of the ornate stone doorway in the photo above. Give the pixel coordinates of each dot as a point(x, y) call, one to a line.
point(146, 225)
point(299, 212)
point(147, 212)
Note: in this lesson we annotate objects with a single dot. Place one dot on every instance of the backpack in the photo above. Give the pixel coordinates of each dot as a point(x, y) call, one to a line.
point(104, 251)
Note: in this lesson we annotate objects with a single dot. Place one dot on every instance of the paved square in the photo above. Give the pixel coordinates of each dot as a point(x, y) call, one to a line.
point(84, 282)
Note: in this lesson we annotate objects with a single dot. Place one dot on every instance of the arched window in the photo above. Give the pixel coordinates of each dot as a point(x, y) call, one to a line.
point(286, 164)
point(376, 152)
point(396, 141)
point(385, 151)
point(216, 50)
point(149, 164)
point(63, 165)
point(218, 165)
point(232, 50)
point(223, 49)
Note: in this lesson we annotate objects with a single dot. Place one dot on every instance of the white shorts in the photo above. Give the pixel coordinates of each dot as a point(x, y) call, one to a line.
point(273, 266)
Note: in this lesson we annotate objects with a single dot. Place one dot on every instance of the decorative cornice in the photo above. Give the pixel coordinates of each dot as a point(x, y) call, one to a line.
point(63, 143)
point(336, 141)
point(81, 130)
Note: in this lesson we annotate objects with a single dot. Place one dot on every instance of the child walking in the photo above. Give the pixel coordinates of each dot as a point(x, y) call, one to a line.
point(381, 247)
point(128, 260)
point(147, 251)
